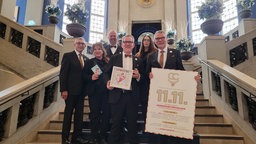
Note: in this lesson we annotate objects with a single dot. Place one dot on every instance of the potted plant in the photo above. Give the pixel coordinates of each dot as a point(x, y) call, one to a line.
point(53, 11)
point(171, 36)
point(211, 11)
point(120, 35)
point(185, 46)
point(77, 14)
point(244, 8)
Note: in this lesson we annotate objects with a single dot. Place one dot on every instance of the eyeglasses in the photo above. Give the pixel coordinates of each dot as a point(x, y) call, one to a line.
point(160, 38)
point(80, 43)
point(147, 40)
point(127, 42)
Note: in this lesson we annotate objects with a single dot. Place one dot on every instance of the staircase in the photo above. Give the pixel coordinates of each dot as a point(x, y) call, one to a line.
point(209, 126)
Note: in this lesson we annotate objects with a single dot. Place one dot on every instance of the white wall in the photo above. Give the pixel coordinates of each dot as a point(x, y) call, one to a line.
point(126, 12)
point(34, 11)
point(8, 8)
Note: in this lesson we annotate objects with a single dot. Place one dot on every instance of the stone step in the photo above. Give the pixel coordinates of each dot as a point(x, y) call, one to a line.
point(208, 124)
point(54, 136)
point(209, 118)
point(214, 128)
point(44, 143)
point(49, 136)
point(61, 115)
point(220, 139)
point(206, 110)
point(202, 102)
point(200, 96)
point(200, 109)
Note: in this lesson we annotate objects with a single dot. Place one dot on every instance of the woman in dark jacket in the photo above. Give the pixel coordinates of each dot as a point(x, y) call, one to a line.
point(98, 94)
point(147, 47)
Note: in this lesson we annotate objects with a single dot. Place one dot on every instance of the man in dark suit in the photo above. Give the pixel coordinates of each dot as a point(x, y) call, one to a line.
point(166, 59)
point(124, 102)
point(113, 48)
point(72, 91)
point(171, 58)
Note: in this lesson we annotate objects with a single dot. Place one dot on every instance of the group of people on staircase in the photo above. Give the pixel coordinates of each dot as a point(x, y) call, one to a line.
point(80, 76)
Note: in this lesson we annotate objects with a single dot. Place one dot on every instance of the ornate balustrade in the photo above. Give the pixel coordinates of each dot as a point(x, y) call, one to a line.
point(28, 104)
point(50, 31)
point(244, 26)
point(238, 95)
point(31, 41)
point(242, 48)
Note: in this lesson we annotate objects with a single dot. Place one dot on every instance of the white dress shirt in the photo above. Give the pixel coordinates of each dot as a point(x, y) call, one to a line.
point(113, 49)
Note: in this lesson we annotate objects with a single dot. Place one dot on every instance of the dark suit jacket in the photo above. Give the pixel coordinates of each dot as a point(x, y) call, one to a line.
point(71, 74)
point(119, 50)
point(94, 87)
point(117, 60)
point(173, 61)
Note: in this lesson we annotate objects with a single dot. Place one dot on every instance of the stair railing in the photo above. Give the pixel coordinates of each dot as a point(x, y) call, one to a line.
point(233, 93)
point(24, 106)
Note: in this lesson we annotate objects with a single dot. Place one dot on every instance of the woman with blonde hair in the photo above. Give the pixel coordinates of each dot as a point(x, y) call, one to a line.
point(98, 94)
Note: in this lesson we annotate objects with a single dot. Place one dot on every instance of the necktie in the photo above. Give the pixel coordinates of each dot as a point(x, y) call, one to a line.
point(161, 60)
point(81, 60)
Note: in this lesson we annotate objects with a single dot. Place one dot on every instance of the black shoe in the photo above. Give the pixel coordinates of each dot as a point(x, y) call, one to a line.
point(93, 141)
point(102, 141)
point(79, 140)
point(65, 141)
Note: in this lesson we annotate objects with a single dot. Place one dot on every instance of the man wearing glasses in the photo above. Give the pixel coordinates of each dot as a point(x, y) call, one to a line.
point(166, 59)
point(124, 102)
point(72, 91)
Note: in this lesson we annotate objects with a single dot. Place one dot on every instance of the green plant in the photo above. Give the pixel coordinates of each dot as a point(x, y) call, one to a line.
point(171, 34)
point(121, 34)
point(210, 9)
point(184, 45)
point(77, 13)
point(245, 4)
point(53, 10)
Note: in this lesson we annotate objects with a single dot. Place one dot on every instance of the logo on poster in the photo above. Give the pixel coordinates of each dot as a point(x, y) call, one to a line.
point(173, 78)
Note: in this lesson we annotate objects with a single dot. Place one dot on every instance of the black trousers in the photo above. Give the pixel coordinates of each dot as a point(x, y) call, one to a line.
point(99, 115)
point(127, 108)
point(73, 103)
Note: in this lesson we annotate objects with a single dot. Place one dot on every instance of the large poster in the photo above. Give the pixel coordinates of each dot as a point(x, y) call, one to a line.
point(171, 103)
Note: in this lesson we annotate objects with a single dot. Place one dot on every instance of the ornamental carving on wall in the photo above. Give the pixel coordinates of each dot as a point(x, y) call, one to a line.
point(145, 3)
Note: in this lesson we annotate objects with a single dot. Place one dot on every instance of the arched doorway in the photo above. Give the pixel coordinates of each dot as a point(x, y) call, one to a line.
point(140, 28)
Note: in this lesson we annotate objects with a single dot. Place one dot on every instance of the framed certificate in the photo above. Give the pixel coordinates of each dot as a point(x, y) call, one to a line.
point(171, 103)
point(121, 78)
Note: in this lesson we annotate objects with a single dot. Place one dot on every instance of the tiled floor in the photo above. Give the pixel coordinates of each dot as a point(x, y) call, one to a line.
point(8, 78)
